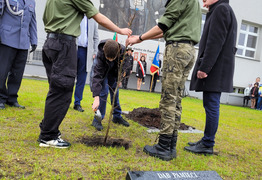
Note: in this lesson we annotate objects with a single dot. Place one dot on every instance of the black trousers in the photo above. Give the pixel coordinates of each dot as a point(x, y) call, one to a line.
point(245, 100)
point(60, 61)
point(12, 66)
point(156, 77)
point(125, 79)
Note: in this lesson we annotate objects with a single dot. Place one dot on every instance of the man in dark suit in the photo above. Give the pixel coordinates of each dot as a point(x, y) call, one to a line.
point(17, 32)
point(214, 68)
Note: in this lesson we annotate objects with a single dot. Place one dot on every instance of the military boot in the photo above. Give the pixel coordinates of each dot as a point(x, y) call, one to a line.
point(161, 150)
point(173, 145)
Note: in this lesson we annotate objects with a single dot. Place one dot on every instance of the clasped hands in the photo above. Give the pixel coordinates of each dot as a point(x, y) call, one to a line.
point(131, 40)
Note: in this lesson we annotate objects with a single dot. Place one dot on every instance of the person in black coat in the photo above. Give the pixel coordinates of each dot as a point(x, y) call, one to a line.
point(127, 67)
point(104, 78)
point(214, 68)
point(254, 95)
point(140, 71)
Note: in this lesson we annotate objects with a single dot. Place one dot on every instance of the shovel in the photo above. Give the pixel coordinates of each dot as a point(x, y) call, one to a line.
point(98, 115)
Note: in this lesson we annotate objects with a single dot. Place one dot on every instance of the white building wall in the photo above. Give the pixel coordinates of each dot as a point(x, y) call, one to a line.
point(246, 70)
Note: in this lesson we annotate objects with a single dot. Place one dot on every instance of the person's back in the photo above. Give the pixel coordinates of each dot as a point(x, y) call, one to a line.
point(247, 91)
point(62, 23)
point(180, 26)
point(182, 20)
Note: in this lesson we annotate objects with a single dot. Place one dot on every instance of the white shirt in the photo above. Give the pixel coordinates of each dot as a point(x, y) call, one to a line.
point(83, 39)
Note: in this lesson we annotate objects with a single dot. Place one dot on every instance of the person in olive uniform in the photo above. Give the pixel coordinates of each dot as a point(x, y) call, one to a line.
point(60, 60)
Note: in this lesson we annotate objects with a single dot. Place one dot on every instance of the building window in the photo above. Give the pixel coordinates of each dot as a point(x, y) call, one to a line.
point(138, 2)
point(247, 42)
point(238, 90)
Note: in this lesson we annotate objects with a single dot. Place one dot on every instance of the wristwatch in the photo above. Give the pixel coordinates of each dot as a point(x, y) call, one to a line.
point(140, 37)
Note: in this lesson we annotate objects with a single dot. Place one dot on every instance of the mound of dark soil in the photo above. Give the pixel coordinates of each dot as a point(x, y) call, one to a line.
point(150, 118)
point(99, 141)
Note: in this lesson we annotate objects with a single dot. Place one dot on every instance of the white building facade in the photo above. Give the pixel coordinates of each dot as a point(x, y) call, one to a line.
point(248, 64)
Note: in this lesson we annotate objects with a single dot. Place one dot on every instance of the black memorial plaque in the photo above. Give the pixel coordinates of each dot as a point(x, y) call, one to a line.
point(172, 175)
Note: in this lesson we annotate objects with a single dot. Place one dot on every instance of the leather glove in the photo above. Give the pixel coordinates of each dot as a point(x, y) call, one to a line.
point(33, 48)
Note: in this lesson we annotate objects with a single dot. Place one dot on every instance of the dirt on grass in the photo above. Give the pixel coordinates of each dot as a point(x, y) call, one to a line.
point(150, 118)
point(146, 117)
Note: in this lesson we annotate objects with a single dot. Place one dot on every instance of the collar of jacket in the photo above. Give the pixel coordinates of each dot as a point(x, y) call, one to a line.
point(212, 7)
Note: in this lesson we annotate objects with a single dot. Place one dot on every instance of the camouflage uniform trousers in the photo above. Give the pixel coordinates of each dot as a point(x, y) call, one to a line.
point(179, 59)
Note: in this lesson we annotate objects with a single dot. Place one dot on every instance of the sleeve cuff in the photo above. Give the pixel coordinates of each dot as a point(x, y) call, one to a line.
point(205, 69)
point(162, 27)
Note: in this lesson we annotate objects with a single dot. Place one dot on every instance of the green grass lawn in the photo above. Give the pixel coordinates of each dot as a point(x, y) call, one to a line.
point(238, 141)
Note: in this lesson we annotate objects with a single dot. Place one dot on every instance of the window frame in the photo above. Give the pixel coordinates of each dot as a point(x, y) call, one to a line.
point(247, 33)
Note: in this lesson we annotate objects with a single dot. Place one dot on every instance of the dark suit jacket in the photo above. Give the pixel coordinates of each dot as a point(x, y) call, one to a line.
point(217, 50)
point(128, 63)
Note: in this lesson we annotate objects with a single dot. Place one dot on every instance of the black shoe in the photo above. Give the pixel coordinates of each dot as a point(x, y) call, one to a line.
point(97, 125)
point(15, 104)
point(161, 150)
point(2, 106)
point(120, 121)
point(193, 143)
point(56, 143)
point(78, 108)
point(199, 148)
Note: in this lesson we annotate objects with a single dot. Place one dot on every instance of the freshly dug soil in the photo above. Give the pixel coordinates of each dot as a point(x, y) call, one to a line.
point(150, 118)
point(99, 141)
point(144, 116)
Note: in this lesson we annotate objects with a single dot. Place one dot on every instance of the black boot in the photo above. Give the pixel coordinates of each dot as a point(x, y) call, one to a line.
point(173, 145)
point(161, 150)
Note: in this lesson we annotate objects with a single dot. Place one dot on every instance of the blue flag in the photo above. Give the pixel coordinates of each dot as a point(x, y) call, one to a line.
point(155, 64)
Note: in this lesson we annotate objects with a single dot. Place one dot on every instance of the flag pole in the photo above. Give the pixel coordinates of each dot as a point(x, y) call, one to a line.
point(150, 90)
point(151, 82)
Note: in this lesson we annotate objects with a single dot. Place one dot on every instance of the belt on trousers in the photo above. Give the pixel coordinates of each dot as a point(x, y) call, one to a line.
point(182, 41)
point(60, 36)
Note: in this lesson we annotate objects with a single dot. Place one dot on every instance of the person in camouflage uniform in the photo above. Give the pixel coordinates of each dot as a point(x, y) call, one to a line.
point(180, 26)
